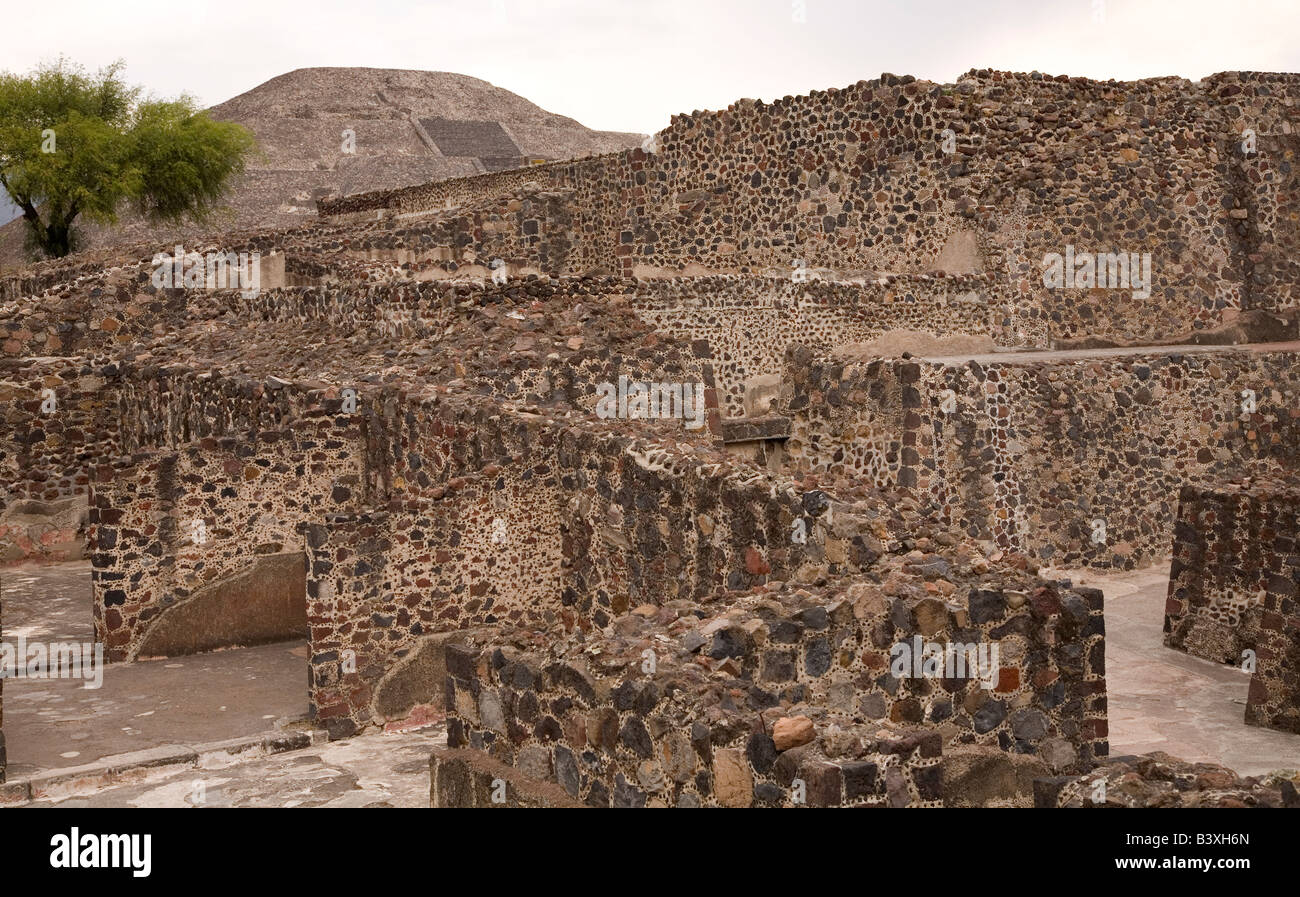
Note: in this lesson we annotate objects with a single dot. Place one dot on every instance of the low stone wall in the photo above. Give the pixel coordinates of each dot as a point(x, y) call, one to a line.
point(505, 519)
point(626, 744)
point(645, 525)
point(445, 194)
point(1074, 460)
point(385, 588)
point(756, 700)
point(183, 521)
point(1273, 700)
point(530, 231)
point(1230, 542)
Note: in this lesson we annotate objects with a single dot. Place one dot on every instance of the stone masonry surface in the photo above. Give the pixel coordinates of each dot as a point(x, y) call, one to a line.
point(705, 606)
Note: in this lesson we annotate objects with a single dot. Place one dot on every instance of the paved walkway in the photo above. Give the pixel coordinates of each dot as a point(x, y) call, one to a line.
point(57, 723)
point(47, 602)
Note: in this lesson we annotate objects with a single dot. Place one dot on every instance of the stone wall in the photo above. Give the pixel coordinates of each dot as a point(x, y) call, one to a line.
point(1274, 696)
point(463, 779)
point(1031, 454)
point(644, 525)
point(1271, 183)
point(499, 518)
point(784, 697)
point(1225, 554)
point(182, 522)
point(530, 230)
point(1233, 589)
point(385, 587)
point(446, 194)
point(748, 323)
point(56, 424)
point(985, 175)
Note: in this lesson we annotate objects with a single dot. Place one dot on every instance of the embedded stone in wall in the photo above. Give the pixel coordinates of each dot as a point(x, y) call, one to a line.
point(461, 778)
point(265, 602)
point(960, 254)
point(417, 680)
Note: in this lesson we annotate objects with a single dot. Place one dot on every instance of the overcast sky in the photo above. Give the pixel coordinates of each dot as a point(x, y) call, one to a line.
point(628, 66)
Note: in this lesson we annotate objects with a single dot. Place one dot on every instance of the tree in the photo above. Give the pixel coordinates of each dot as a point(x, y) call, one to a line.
point(74, 145)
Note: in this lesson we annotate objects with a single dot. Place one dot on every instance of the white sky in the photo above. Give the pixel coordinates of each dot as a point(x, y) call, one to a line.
point(628, 66)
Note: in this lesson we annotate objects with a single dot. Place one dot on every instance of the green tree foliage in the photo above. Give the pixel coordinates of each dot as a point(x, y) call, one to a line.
point(75, 145)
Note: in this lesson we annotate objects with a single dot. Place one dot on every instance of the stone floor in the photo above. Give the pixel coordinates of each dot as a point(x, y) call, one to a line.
point(1165, 700)
point(58, 722)
point(375, 770)
point(46, 602)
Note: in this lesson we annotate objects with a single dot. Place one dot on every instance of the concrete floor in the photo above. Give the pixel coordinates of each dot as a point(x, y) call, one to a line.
point(1165, 700)
point(60, 723)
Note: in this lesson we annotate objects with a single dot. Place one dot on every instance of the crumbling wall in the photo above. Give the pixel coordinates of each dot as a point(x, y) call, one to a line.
point(786, 697)
point(1157, 780)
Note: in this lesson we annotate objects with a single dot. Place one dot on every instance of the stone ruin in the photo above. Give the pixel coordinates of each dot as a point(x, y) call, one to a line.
point(807, 571)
